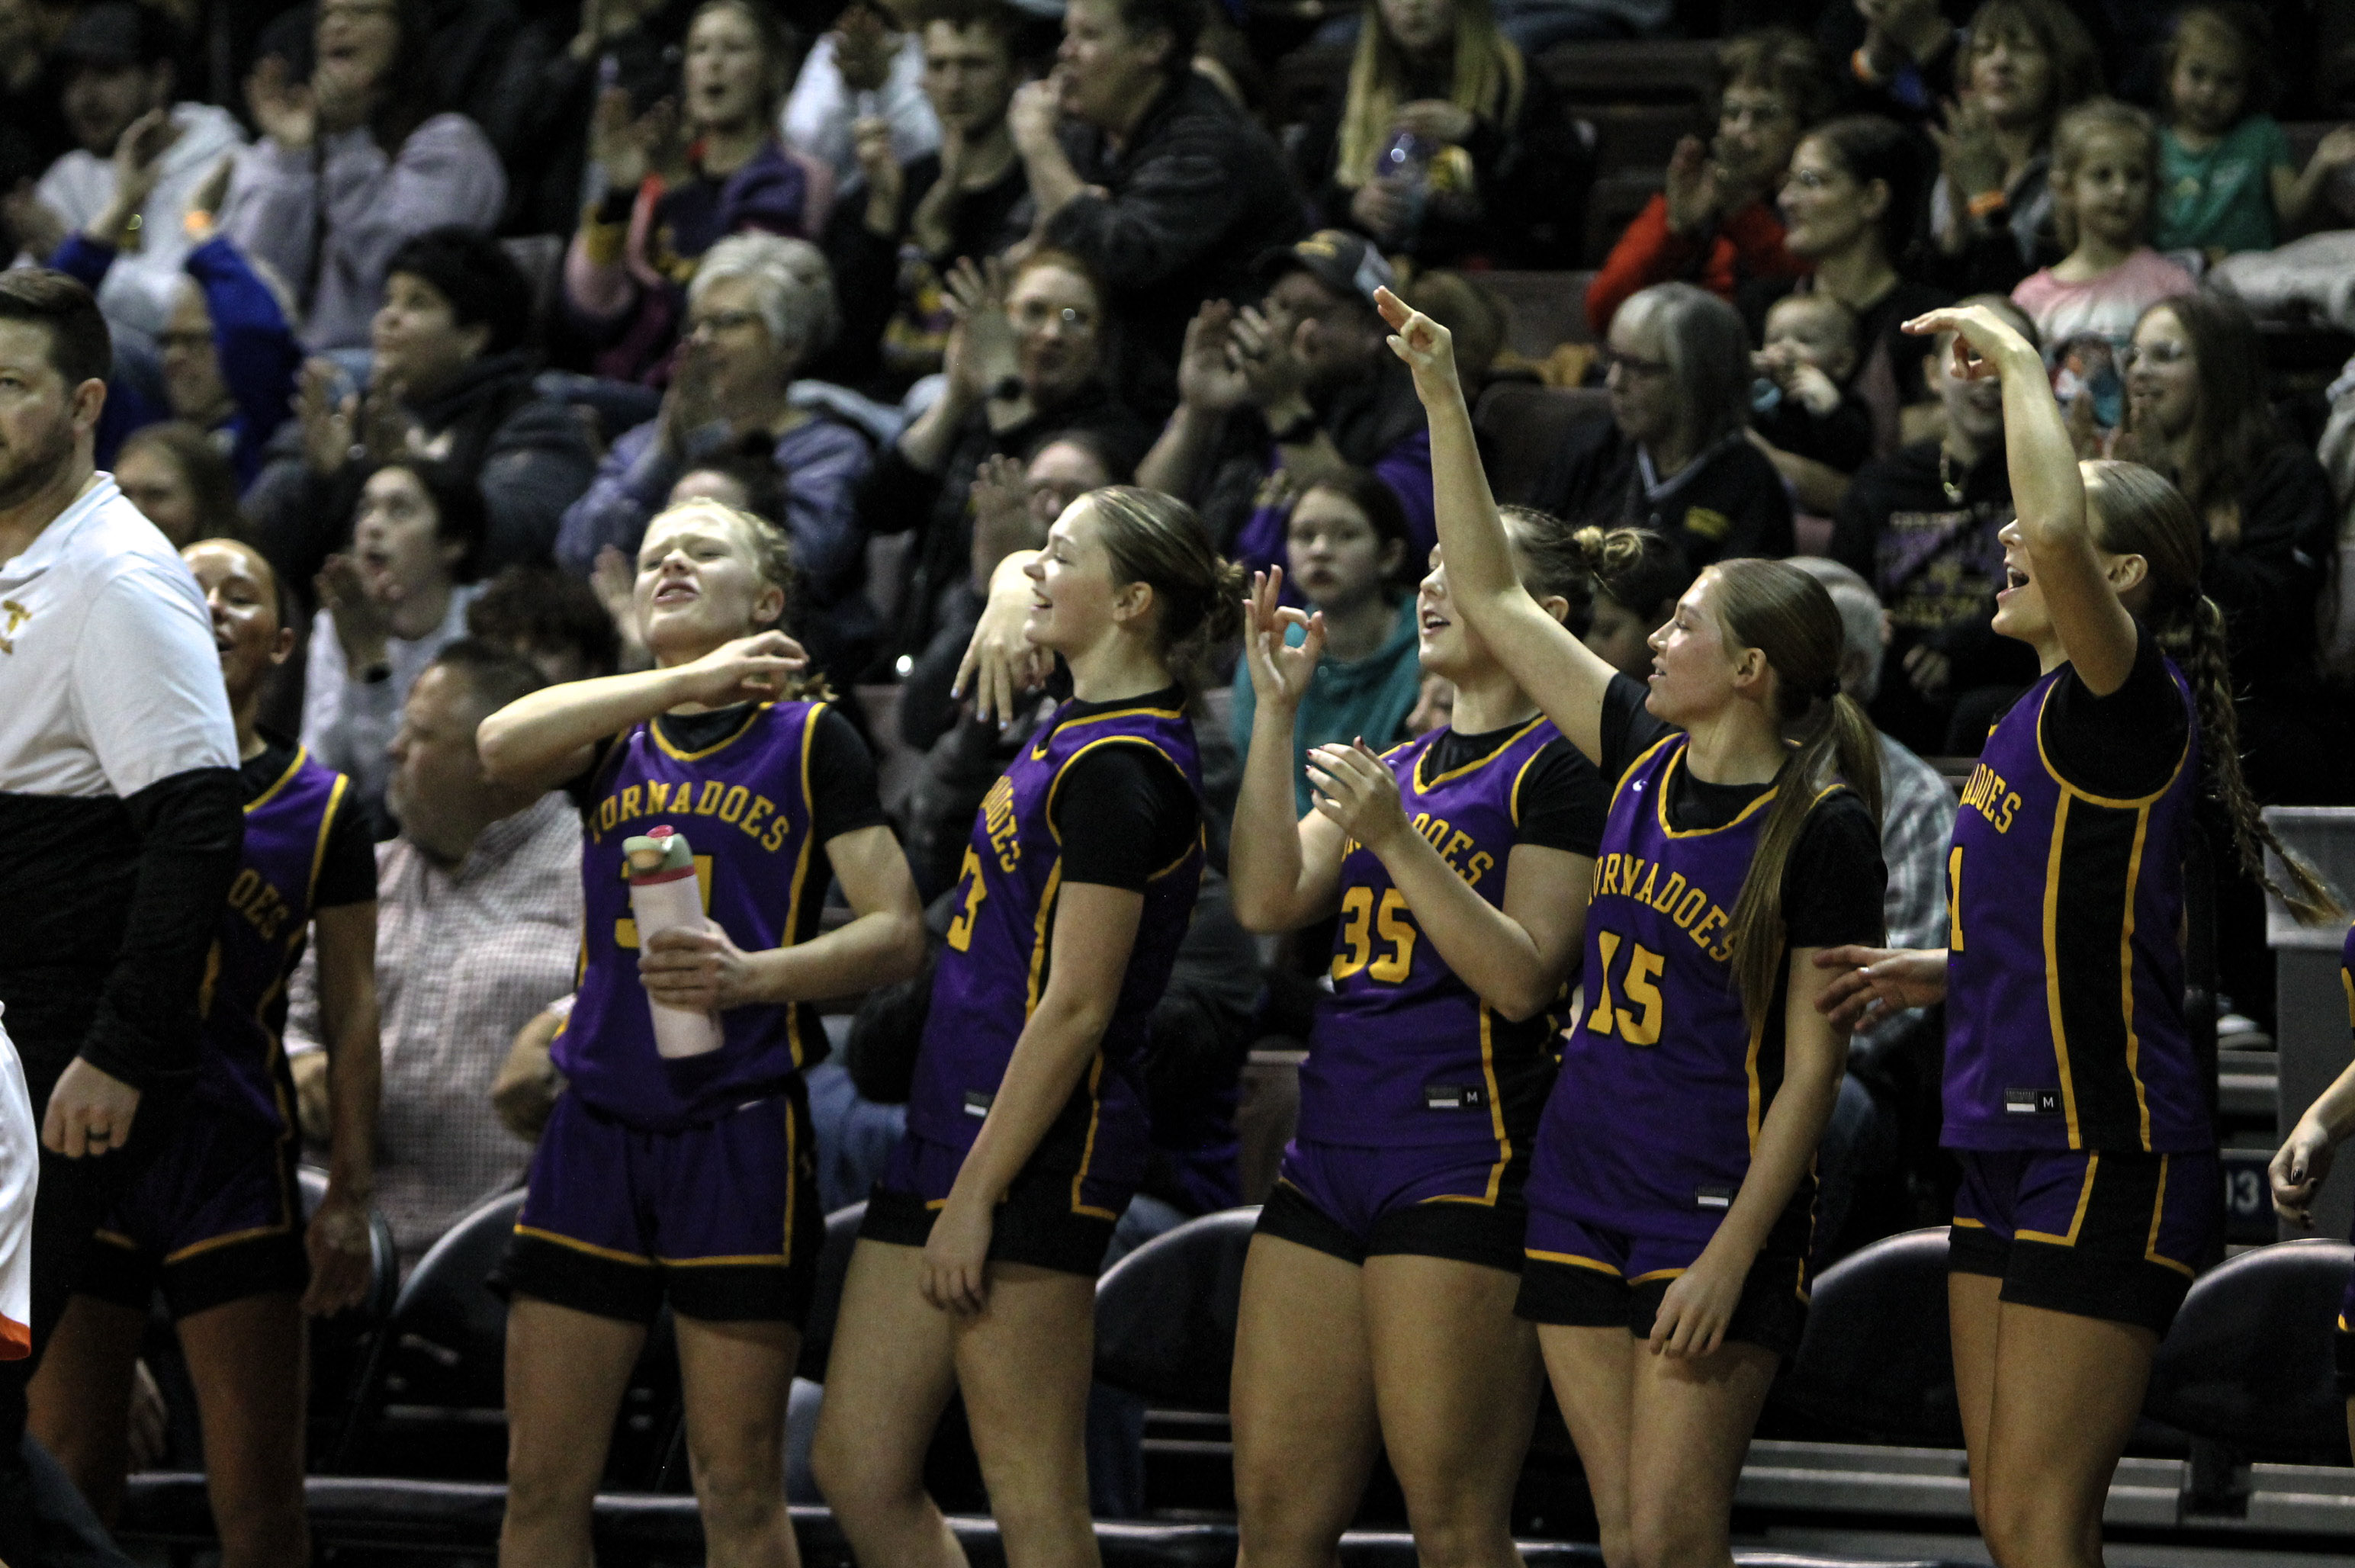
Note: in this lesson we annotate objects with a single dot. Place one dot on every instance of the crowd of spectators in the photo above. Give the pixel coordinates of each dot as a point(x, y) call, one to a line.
point(437, 306)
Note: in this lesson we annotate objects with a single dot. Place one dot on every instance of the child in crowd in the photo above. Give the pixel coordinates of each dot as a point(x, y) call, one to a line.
point(1347, 544)
point(1637, 601)
point(2227, 178)
point(1797, 405)
point(2104, 164)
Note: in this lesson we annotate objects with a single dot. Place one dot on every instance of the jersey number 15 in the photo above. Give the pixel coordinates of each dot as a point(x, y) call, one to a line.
point(1637, 983)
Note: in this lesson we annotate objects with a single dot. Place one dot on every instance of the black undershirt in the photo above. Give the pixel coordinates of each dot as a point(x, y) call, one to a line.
point(1834, 880)
point(347, 868)
point(1563, 799)
point(1125, 812)
point(2127, 744)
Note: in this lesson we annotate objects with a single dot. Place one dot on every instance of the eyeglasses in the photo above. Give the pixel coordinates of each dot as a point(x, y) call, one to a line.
point(1629, 365)
point(1035, 313)
point(2135, 353)
point(726, 320)
point(194, 342)
point(1812, 179)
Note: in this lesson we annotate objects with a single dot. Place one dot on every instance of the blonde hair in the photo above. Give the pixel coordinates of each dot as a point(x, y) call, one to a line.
point(1490, 78)
point(2073, 143)
point(771, 549)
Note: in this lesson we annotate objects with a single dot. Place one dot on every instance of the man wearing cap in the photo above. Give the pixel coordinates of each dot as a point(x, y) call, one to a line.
point(115, 69)
point(1275, 396)
point(1143, 169)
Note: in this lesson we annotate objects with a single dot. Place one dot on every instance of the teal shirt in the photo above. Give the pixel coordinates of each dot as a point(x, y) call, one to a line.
point(1370, 697)
point(2223, 197)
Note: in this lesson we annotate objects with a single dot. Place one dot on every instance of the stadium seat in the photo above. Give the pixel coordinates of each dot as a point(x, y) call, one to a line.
point(344, 1348)
point(1875, 1366)
point(833, 1264)
point(1633, 71)
point(1547, 309)
point(1306, 80)
point(1166, 1313)
point(1521, 427)
point(2248, 1362)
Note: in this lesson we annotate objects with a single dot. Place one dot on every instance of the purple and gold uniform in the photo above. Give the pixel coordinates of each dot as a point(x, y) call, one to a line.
point(216, 1217)
point(691, 1177)
point(1418, 1103)
point(2345, 1339)
point(1650, 1132)
point(2073, 1097)
point(998, 956)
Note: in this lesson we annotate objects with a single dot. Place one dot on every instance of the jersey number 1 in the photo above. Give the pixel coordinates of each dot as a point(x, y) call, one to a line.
point(1636, 983)
point(960, 935)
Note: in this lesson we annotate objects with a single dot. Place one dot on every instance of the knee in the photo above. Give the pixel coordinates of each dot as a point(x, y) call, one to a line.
point(258, 1530)
point(738, 1492)
point(1669, 1537)
point(2020, 1527)
point(851, 1481)
point(1455, 1519)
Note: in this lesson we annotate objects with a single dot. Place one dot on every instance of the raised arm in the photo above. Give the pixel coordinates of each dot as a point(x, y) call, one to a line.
point(1282, 873)
point(2049, 491)
point(546, 738)
point(1566, 676)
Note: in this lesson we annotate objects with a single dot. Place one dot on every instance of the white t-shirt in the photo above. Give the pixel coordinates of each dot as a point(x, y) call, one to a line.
point(108, 677)
point(20, 1171)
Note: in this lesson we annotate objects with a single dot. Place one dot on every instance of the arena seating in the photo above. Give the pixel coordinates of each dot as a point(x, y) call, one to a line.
point(2248, 1362)
point(1166, 1313)
point(1544, 309)
point(1874, 1366)
point(1521, 427)
point(826, 1301)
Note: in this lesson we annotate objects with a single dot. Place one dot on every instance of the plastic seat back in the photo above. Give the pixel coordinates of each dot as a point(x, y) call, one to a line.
point(1166, 1313)
point(1876, 1366)
point(826, 1300)
point(2248, 1362)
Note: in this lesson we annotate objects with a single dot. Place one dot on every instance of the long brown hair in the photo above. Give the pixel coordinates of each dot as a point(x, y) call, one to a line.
point(2232, 424)
point(2136, 512)
point(1785, 614)
point(1158, 541)
point(1490, 80)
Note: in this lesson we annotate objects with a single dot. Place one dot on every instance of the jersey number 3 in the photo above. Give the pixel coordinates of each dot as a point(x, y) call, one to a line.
point(1637, 984)
point(960, 933)
point(1362, 925)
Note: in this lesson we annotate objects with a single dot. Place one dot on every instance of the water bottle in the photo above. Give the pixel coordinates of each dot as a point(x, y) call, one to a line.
point(1406, 163)
point(666, 895)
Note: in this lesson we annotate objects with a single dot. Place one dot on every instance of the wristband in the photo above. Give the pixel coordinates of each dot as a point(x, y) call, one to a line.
point(1980, 206)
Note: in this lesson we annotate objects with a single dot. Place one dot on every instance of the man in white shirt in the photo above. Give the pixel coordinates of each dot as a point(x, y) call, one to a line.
point(115, 64)
point(118, 792)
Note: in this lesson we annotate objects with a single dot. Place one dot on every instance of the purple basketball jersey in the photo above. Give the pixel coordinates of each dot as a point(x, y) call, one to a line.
point(1000, 952)
point(744, 806)
point(241, 1067)
point(2064, 967)
point(1406, 1053)
point(1664, 1084)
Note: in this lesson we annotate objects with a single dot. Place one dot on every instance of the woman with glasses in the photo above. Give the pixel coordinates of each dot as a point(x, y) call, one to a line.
point(1026, 358)
point(1850, 206)
point(1674, 455)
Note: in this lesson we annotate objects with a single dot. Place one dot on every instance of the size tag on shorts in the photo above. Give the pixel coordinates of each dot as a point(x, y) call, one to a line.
point(2031, 1102)
point(976, 1103)
point(1454, 1097)
point(1713, 1197)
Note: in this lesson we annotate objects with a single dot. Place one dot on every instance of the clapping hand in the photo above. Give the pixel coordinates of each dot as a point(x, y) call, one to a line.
point(1694, 188)
point(1002, 523)
point(1356, 792)
point(1968, 153)
point(37, 226)
point(982, 350)
point(1034, 116)
point(624, 147)
point(1267, 351)
point(1209, 378)
point(283, 108)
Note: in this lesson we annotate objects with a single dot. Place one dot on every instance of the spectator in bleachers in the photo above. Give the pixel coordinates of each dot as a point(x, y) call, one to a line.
point(1802, 407)
point(1894, 1059)
point(451, 382)
point(2023, 64)
point(1920, 525)
point(758, 306)
point(1025, 360)
point(352, 164)
point(385, 610)
point(1674, 453)
point(665, 205)
point(1143, 169)
point(478, 927)
point(2105, 172)
point(549, 617)
point(2198, 411)
point(2227, 179)
point(1351, 561)
point(1900, 56)
point(1849, 199)
point(228, 353)
point(1449, 147)
point(179, 481)
point(869, 64)
point(1715, 224)
point(541, 114)
point(1013, 505)
point(140, 159)
point(1636, 601)
point(1280, 394)
point(895, 232)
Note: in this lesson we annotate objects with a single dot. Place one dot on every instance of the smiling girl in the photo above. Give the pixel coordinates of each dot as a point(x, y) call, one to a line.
point(1671, 1197)
point(2074, 1098)
point(1459, 865)
point(690, 1179)
point(974, 1271)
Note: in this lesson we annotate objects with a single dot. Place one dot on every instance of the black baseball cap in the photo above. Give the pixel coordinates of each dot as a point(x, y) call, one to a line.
point(1345, 263)
point(115, 33)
